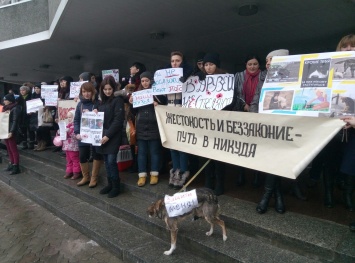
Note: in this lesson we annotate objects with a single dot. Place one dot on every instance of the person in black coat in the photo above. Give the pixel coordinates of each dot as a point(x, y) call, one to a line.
point(25, 95)
point(147, 133)
point(113, 108)
point(15, 115)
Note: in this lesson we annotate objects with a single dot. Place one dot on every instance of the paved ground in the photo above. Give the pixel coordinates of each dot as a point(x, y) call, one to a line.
point(30, 233)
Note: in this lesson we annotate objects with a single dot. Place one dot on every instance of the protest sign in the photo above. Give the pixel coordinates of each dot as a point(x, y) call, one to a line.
point(167, 81)
point(180, 203)
point(213, 93)
point(33, 105)
point(75, 89)
point(142, 98)
point(47, 90)
point(276, 144)
point(318, 85)
point(62, 130)
point(91, 127)
point(4, 125)
point(111, 72)
point(64, 106)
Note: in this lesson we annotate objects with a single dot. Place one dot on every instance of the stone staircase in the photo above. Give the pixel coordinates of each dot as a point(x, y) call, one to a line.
point(122, 225)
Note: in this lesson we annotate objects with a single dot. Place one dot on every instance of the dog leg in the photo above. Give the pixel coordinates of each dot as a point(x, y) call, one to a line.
point(223, 226)
point(173, 235)
point(209, 233)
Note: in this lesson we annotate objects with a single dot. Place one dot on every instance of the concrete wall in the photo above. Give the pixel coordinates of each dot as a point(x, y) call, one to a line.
point(52, 9)
point(24, 19)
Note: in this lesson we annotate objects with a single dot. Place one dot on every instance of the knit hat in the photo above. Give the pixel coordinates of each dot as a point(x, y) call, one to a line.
point(38, 85)
point(67, 78)
point(85, 76)
point(147, 74)
point(213, 58)
point(10, 97)
point(279, 52)
point(200, 56)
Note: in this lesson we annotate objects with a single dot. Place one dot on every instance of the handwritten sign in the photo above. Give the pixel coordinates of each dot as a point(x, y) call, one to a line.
point(64, 106)
point(75, 89)
point(33, 105)
point(166, 81)
point(48, 90)
point(111, 72)
point(142, 98)
point(213, 93)
point(180, 203)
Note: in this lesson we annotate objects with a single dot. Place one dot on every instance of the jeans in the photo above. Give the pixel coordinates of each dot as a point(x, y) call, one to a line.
point(180, 160)
point(12, 150)
point(154, 147)
point(111, 166)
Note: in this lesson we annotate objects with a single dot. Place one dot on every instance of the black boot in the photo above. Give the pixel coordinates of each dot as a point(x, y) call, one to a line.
point(240, 179)
point(349, 188)
point(115, 191)
point(328, 180)
point(107, 188)
point(219, 190)
point(296, 191)
point(9, 167)
point(279, 200)
point(209, 175)
point(257, 179)
point(15, 169)
point(269, 189)
point(24, 145)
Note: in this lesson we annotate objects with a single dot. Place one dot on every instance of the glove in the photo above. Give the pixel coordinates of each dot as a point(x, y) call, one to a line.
point(182, 79)
point(201, 75)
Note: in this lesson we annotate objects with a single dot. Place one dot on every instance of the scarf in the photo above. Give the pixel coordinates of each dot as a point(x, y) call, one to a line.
point(9, 107)
point(249, 85)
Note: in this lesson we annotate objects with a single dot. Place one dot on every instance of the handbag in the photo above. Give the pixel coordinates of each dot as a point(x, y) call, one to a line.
point(47, 116)
point(131, 132)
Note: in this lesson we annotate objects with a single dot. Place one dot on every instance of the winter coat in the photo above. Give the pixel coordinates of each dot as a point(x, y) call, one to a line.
point(146, 121)
point(84, 104)
point(14, 118)
point(238, 101)
point(25, 118)
point(113, 125)
point(71, 143)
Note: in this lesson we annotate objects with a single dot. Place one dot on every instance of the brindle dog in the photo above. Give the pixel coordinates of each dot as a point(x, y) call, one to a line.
point(208, 208)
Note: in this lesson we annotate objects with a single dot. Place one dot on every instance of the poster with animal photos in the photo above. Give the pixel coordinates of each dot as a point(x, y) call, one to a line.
point(317, 85)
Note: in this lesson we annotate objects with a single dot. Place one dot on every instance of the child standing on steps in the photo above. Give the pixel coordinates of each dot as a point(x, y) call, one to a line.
point(71, 147)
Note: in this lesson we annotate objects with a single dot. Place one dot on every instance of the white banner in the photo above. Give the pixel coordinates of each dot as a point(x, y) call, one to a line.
point(91, 127)
point(167, 81)
point(276, 144)
point(4, 125)
point(142, 98)
point(34, 105)
point(75, 89)
point(213, 93)
point(180, 203)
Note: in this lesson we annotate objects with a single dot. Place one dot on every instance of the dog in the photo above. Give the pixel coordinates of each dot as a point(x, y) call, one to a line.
point(207, 207)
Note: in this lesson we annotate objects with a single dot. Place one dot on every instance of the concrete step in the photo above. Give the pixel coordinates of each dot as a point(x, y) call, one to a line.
point(307, 237)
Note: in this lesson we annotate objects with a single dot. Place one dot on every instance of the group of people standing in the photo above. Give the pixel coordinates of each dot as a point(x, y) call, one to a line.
point(116, 103)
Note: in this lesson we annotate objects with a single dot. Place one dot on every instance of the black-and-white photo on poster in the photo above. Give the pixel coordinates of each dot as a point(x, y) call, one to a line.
point(315, 73)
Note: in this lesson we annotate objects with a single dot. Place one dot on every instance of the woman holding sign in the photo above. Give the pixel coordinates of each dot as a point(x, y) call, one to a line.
point(180, 171)
point(88, 102)
point(147, 133)
point(14, 118)
point(113, 109)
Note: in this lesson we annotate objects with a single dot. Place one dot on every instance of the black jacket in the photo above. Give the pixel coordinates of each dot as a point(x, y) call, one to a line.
point(14, 118)
point(146, 121)
point(113, 124)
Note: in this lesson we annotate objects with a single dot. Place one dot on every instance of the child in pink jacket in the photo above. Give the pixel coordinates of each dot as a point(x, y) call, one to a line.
point(71, 147)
